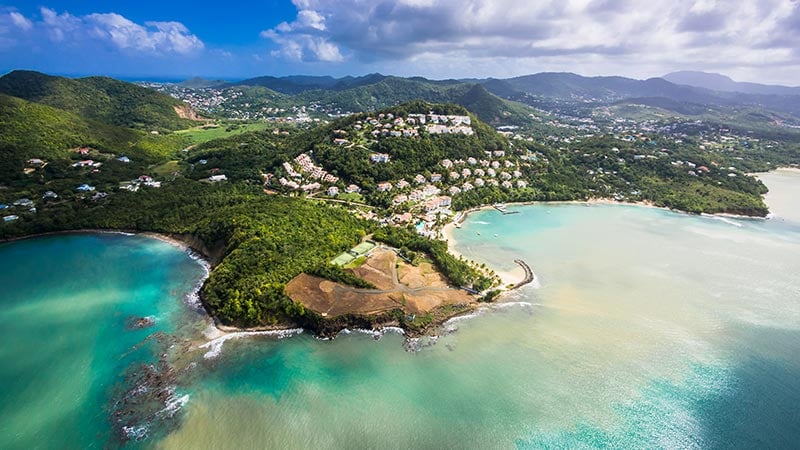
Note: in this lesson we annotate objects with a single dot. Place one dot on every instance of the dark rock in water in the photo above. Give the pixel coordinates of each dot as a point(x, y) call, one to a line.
point(138, 323)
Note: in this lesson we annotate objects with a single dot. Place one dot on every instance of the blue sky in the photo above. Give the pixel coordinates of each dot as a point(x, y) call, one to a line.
point(751, 41)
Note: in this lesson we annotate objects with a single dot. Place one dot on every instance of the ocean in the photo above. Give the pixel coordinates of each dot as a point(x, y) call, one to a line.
point(644, 328)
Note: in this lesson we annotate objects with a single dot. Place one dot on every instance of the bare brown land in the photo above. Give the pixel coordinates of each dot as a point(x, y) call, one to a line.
point(413, 289)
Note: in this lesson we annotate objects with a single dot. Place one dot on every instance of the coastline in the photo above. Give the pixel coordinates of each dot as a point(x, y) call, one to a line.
point(512, 277)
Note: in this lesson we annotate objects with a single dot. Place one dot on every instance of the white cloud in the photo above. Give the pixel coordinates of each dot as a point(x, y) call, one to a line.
point(302, 39)
point(611, 36)
point(113, 30)
point(20, 21)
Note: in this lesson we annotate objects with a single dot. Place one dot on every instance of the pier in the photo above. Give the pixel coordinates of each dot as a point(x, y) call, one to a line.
point(502, 209)
point(528, 274)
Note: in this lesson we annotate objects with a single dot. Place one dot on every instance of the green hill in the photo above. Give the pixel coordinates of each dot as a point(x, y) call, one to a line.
point(31, 130)
point(102, 99)
point(392, 91)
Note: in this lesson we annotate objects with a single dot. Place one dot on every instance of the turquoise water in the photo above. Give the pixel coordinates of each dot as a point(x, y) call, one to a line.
point(64, 303)
point(644, 329)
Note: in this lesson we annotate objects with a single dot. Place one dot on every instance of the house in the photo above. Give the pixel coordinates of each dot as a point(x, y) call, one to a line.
point(3, 206)
point(333, 191)
point(99, 195)
point(467, 186)
point(703, 169)
point(383, 187)
point(403, 218)
point(50, 194)
point(472, 161)
point(379, 158)
point(479, 182)
point(419, 179)
point(495, 164)
point(446, 163)
point(352, 189)
point(491, 172)
point(454, 175)
point(10, 218)
point(505, 176)
point(522, 184)
point(506, 185)
point(398, 199)
point(480, 173)
point(402, 184)
point(217, 178)
point(124, 159)
point(84, 163)
point(85, 188)
point(466, 173)
point(436, 177)
point(430, 190)
point(202, 162)
point(35, 162)
point(145, 178)
point(24, 202)
point(432, 204)
point(445, 201)
point(454, 190)
point(499, 153)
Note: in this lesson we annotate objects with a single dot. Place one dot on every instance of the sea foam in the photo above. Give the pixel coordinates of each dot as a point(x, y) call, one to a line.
point(215, 346)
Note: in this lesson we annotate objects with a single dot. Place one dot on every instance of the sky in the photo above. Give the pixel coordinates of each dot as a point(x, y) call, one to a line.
point(174, 39)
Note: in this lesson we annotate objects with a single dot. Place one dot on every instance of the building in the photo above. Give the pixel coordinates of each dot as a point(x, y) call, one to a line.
point(352, 189)
point(384, 187)
point(379, 158)
point(85, 188)
point(217, 178)
point(454, 190)
point(124, 159)
point(419, 179)
point(10, 218)
point(24, 203)
point(50, 194)
point(333, 191)
point(436, 177)
point(445, 201)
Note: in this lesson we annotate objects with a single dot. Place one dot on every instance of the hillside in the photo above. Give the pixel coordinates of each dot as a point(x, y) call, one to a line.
point(101, 99)
point(32, 130)
point(718, 82)
point(391, 91)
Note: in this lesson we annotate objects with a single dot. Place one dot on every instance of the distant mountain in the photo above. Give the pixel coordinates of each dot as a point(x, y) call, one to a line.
point(102, 99)
point(298, 84)
point(391, 91)
point(718, 82)
point(570, 87)
point(198, 82)
point(33, 130)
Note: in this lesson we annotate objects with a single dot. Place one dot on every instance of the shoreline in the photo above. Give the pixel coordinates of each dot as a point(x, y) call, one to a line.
point(510, 278)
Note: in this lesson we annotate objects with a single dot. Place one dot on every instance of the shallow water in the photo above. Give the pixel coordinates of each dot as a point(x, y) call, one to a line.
point(646, 328)
point(64, 304)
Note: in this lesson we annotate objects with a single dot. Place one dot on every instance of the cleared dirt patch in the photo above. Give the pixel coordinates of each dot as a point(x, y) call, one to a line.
point(419, 290)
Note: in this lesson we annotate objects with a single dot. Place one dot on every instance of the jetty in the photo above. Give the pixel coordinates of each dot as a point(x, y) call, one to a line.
point(502, 209)
point(528, 274)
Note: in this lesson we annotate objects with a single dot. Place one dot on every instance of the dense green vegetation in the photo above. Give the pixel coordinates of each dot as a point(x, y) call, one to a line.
point(31, 130)
point(99, 98)
point(456, 270)
point(265, 241)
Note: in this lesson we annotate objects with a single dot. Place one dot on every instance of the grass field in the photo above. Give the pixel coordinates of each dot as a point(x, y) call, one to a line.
point(206, 133)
